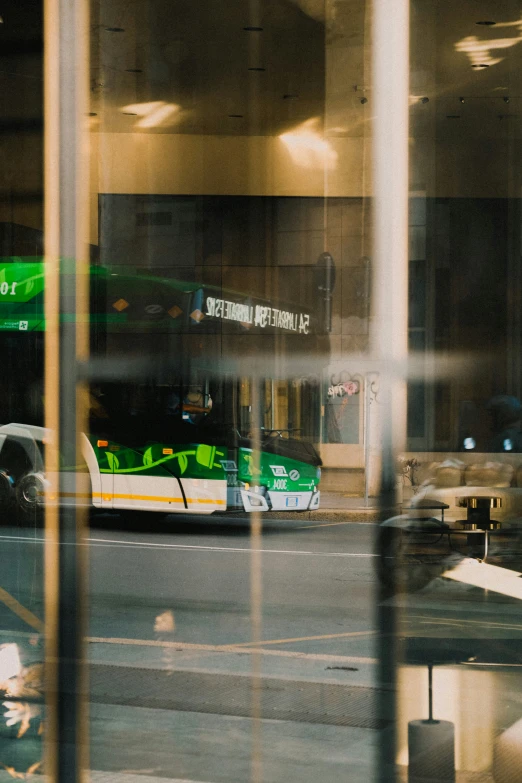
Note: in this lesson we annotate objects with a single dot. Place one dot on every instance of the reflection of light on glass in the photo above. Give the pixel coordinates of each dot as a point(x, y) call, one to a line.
point(153, 114)
point(10, 665)
point(165, 622)
point(307, 146)
point(479, 49)
point(469, 443)
point(22, 713)
point(508, 445)
point(488, 577)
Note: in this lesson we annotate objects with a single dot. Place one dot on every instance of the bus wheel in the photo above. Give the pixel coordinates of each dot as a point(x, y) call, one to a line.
point(29, 498)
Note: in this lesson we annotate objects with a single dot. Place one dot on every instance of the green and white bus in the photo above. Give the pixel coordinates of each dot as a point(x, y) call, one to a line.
point(170, 439)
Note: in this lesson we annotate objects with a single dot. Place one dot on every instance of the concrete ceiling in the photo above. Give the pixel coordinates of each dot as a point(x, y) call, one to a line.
point(194, 59)
point(194, 56)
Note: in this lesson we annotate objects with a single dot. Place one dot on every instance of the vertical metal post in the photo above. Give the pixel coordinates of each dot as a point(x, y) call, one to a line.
point(430, 692)
point(256, 588)
point(256, 54)
point(390, 51)
point(66, 343)
point(366, 439)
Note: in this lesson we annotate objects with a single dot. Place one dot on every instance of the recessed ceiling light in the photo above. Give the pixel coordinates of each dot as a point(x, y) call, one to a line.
point(236, 115)
point(133, 70)
point(462, 100)
point(256, 69)
point(253, 29)
point(453, 116)
point(486, 23)
point(480, 66)
point(114, 30)
point(290, 96)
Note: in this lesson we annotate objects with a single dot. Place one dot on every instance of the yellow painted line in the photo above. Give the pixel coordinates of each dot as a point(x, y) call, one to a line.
point(160, 498)
point(324, 524)
point(146, 497)
point(227, 648)
point(206, 500)
point(17, 608)
point(309, 638)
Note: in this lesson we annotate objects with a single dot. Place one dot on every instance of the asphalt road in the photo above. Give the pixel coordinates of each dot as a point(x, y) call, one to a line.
point(187, 615)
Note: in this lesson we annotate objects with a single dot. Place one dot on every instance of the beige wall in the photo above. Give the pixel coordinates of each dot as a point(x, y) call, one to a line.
point(220, 165)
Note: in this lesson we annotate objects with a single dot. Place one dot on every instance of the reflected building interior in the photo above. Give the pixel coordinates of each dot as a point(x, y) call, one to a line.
point(230, 148)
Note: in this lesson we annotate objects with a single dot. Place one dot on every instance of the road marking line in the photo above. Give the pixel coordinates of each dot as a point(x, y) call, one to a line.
point(130, 776)
point(155, 545)
point(490, 626)
point(188, 547)
point(323, 524)
point(17, 608)
point(459, 621)
point(224, 648)
point(309, 638)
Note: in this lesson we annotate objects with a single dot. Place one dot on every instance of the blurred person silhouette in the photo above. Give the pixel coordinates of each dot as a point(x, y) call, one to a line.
point(506, 423)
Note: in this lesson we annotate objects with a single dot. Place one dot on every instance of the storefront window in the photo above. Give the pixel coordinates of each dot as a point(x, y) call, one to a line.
point(261, 399)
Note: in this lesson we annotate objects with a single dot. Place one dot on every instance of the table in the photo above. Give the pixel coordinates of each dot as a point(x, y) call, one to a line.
point(429, 505)
point(478, 523)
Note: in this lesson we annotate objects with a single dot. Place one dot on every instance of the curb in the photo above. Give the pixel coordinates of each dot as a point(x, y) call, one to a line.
point(359, 514)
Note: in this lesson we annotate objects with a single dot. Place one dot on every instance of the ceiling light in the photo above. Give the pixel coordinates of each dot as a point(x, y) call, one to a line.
point(462, 100)
point(256, 69)
point(133, 70)
point(506, 99)
point(308, 147)
point(114, 30)
point(486, 23)
point(153, 114)
point(253, 29)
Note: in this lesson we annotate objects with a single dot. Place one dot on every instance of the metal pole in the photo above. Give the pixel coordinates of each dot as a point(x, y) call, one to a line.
point(256, 590)
point(390, 51)
point(430, 692)
point(66, 342)
point(366, 438)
